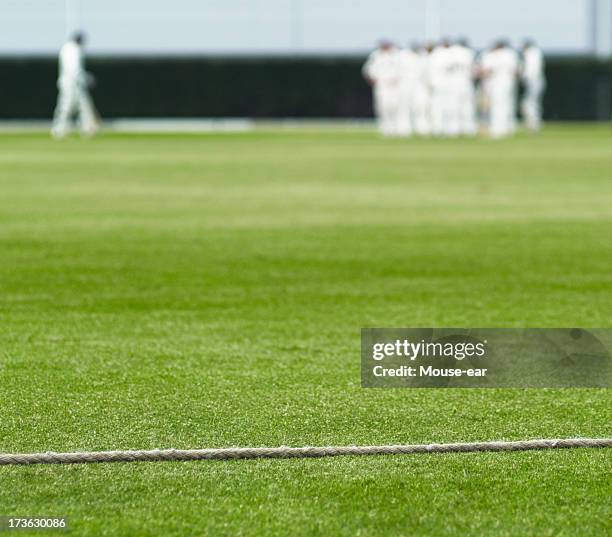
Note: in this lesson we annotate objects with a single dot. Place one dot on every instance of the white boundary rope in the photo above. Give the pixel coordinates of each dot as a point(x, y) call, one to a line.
point(284, 452)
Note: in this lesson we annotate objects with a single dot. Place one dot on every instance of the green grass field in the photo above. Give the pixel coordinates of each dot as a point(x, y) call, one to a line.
point(208, 291)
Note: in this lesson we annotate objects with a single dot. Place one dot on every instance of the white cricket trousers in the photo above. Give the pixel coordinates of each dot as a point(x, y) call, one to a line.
point(387, 105)
point(467, 112)
point(445, 112)
point(502, 112)
point(421, 110)
point(405, 124)
point(73, 99)
point(531, 106)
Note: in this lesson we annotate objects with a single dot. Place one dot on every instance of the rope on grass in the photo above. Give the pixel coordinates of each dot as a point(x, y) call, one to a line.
point(284, 452)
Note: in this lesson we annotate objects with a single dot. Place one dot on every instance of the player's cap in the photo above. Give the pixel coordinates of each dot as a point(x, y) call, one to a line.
point(78, 37)
point(385, 43)
point(502, 43)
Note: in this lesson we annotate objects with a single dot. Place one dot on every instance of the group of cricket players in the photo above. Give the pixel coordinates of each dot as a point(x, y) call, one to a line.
point(448, 90)
point(443, 90)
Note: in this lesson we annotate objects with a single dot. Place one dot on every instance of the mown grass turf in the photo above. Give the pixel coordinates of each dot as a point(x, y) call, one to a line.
point(208, 291)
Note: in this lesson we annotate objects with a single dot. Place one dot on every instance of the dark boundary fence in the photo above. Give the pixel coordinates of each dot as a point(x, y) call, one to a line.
point(578, 88)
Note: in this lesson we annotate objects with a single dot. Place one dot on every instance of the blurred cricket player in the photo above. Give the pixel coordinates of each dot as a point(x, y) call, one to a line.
point(534, 81)
point(443, 105)
point(73, 97)
point(410, 66)
point(421, 93)
point(500, 69)
point(463, 87)
point(383, 71)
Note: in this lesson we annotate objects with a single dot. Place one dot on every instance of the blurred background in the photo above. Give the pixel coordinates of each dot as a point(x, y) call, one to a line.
point(282, 58)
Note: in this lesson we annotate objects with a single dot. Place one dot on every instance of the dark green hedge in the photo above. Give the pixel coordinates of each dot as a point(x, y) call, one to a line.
point(579, 88)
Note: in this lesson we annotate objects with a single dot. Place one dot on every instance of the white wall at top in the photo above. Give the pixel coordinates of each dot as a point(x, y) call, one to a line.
point(286, 26)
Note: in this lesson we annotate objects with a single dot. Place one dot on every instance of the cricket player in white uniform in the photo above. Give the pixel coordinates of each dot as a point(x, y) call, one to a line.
point(463, 87)
point(410, 74)
point(482, 94)
point(443, 105)
point(534, 82)
point(422, 93)
point(383, 71)
point(500, 69)
point(73, 96)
